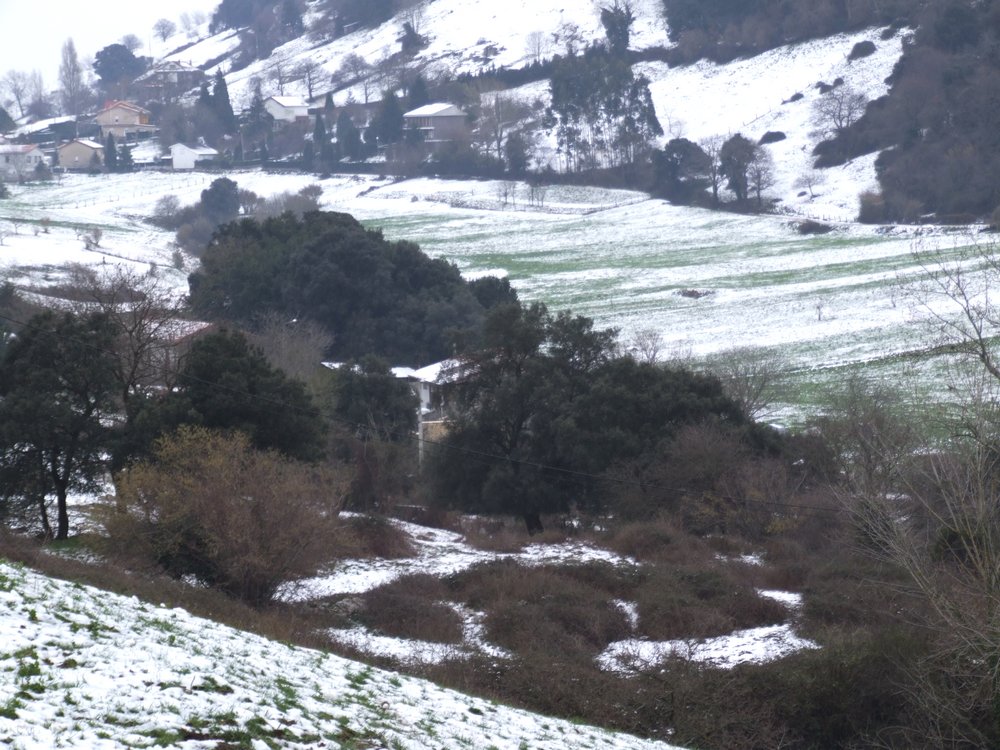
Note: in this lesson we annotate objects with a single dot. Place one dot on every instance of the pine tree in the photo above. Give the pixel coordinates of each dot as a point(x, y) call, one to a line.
point(111, 153)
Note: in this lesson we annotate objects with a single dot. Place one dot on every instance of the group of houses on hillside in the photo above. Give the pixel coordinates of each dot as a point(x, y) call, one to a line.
point(78, 144)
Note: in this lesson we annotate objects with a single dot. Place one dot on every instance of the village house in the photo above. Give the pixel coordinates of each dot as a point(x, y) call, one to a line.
point(188, 157)
point(437, 123)
point(286, 109)
point(19, 162)
point(81, 153)
point(168, 80)
point(125, 121)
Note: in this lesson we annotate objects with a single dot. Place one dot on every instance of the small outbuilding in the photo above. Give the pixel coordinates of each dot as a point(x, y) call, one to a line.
point(188, 157)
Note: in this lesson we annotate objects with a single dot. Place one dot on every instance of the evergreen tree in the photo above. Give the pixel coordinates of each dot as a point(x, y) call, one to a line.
point(349, 138)
point(321, 143)
point(418, 94)
point(735, 158)
point(388, 125)
point(125, 161)
point(111, 153)
point(617, 21)
point(204, 97)
point(258, 120)
point(57, 389)
point(6, 121)
point(291, 19)
point(117, 66)
point(222, 104)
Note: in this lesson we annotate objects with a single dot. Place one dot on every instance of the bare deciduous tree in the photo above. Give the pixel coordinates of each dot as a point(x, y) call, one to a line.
point(537, 45)
point(356, 70)
point(838, 109)
point(956, 292)
point(751, 376)
point(809, 181)
point(712, 147)
point(164, 29)
point(146, 320)
point(296, 346)
point(310, 72)
point(279, 73)
point(72, 89)
point(498, 115)
point(646, 345)
point(131, 42)
point(17, 85)
point(760, 174)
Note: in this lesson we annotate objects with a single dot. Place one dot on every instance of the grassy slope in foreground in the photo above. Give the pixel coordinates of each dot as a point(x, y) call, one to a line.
point(80, 667)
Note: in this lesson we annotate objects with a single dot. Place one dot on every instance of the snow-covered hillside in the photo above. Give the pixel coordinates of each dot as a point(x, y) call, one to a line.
point(82, 668)
point(697, 101)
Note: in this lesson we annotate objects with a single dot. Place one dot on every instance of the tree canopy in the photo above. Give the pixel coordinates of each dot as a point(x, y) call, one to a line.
point(374, 296)
point(547, 406)
point(116, 64)
point(225, 383)
point(57, 387)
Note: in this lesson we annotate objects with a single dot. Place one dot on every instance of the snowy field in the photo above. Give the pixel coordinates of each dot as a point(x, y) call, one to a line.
point(705, 281)
point(83, 668)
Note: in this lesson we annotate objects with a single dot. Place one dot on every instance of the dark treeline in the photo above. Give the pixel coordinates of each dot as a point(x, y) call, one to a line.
point(938, 124)
point(725, 29)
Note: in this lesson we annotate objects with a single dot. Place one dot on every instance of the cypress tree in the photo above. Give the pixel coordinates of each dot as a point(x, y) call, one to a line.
point(111, 153)
point(222, 105)
point(125, 162)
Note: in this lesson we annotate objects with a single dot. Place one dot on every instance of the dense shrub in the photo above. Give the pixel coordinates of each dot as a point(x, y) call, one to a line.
point(862, 50)
point(412, 607)
point(211, 507)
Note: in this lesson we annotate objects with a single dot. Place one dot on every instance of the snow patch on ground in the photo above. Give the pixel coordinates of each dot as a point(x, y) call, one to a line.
point(439, 553)
point(751, 646)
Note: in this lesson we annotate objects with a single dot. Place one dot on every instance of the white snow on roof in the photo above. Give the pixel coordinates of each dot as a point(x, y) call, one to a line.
point(10, 149)
point(288, 101)
point(447, 371)
point(40, 125)
point(203, 150)
point(86, 142)
point(440, 109)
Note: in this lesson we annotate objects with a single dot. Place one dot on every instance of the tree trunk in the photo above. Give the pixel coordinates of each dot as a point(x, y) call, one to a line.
point(62, 515)
point(44, 514)
point(533, 520)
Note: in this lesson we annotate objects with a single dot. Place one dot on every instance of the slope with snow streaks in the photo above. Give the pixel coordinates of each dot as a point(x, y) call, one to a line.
point(81, 667)
point(463, 37)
